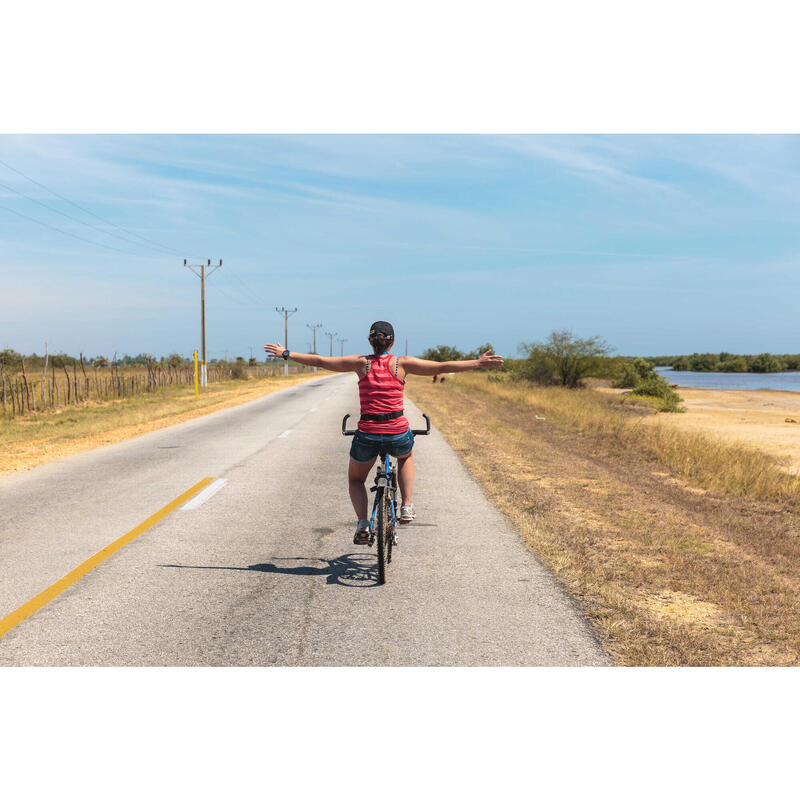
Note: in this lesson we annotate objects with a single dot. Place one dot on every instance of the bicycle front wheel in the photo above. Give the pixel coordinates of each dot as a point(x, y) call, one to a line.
point(382, 525)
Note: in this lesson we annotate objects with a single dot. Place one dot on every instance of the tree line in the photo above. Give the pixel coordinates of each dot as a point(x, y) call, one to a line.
point(729, 362)
point(12, 361)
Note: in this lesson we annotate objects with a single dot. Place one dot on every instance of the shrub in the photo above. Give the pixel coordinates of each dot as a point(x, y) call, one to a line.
point(563, 358)
point(765, 362)
point(703, 362)
point(656, 386)
point(733, 364)
point(792, 362)
point(478, 351)
point(239, 372)
point(632, 372)
point(443, 352)
point(681, 364)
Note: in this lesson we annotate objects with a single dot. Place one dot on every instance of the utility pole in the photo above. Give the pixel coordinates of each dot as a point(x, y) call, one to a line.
point(330, 337)
point(341, 346)
point(314, 328)
point(286, 313)
point(203, 274)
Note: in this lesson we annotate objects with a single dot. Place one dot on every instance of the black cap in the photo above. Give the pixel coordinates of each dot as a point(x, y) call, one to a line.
point(382, 327)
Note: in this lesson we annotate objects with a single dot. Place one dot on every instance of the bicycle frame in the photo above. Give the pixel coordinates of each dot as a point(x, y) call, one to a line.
point(385, 478)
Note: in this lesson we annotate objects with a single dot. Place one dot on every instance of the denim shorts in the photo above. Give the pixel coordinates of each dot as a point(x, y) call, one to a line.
point(365, 446)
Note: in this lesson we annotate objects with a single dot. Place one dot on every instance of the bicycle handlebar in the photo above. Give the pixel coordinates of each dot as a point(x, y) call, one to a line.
point(427, 430)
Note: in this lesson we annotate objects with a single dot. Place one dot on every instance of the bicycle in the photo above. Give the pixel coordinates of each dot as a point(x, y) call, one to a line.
point(383, 520)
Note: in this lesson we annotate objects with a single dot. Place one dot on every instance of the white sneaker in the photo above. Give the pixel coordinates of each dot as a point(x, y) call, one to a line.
point(407, 514)
point(362, 532)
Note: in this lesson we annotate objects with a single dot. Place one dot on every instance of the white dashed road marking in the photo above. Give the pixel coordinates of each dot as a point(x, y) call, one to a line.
point(207, 493)
point(285, 434)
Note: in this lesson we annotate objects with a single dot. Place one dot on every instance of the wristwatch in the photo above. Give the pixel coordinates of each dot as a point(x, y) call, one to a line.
point(285, 355)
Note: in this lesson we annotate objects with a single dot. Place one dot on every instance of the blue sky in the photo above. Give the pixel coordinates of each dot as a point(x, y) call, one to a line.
point(659, 244)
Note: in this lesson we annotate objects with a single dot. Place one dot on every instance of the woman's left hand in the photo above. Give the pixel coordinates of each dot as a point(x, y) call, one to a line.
point(489, 361)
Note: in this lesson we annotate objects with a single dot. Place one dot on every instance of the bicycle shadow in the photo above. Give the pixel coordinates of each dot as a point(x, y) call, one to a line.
point(356, 570)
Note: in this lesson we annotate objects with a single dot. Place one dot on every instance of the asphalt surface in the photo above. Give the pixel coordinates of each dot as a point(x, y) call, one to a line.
point(264, 572)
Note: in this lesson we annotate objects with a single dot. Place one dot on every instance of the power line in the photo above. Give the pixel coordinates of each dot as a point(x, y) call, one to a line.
point(69, 216)
point(246, 286)
point(86, 210)
point(74, 235)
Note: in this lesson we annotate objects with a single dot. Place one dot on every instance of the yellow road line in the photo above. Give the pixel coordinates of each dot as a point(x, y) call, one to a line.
point(43, 598)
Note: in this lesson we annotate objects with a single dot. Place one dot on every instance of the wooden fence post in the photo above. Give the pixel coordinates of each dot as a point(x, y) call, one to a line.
point(27, 388)
point(44, 377)
point(69, 388)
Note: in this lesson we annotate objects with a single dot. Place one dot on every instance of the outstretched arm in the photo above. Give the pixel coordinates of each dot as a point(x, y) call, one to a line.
point(343, 364)
point(419, 366)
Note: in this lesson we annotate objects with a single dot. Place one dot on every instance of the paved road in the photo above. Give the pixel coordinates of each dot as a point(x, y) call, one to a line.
point(264, 572)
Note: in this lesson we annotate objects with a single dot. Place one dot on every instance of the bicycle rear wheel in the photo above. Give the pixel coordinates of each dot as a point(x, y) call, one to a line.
point(391, 520)
point(382, 524)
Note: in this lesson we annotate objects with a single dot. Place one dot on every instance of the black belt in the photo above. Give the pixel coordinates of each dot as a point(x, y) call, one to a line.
point(382, 417)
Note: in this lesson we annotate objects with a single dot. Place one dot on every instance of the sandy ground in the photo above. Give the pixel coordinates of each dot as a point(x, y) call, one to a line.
point(757, 418)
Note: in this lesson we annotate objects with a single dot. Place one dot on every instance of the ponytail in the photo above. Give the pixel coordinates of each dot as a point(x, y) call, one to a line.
point(380, 342)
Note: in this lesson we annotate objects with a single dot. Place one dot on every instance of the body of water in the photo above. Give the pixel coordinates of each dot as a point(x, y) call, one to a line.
point(781, 381)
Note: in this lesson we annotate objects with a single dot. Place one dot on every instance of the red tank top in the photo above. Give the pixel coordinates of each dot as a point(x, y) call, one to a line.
point(381, 392)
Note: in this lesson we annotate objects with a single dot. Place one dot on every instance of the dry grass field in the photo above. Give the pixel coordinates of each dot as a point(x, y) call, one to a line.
point(683, 549)
point(764, 420)
point(40, 437)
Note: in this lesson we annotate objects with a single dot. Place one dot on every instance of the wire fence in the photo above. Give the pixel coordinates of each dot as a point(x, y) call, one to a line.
point(62, 386)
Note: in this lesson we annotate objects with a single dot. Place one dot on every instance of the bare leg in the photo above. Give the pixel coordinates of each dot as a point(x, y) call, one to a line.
point(356, 475)
point(405, 478)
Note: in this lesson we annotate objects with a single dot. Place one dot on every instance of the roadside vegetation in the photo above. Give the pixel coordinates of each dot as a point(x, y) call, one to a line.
point(682, 548)
point(566, 360)
point(31, 384)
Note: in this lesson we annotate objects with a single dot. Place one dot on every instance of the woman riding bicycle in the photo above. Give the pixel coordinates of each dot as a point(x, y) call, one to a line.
point(381, 380)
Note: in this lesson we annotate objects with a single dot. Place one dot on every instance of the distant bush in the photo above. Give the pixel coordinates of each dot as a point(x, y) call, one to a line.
point(441, 353)
point(733, 364)
point(10, 359)
point(791, 362)
point(681, 364)
point(479, 351)
point(606, 367)
point(704, 362)
point(563, 358)
point(730, 362)
point(765, 362)
point(656, 386)
point(239, 372)
point(632, 372)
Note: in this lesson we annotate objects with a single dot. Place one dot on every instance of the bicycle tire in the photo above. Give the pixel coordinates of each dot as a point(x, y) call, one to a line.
point(380, 534)
point(391, 500)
